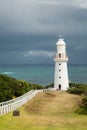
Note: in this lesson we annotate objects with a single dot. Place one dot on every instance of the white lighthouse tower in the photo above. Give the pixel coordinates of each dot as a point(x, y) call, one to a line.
point(61, 72)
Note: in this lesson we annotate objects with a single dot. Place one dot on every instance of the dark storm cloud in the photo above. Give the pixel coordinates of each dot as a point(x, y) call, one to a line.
point(40, 17)
point(34, 25)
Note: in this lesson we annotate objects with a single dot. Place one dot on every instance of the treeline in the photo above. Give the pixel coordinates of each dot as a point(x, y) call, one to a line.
point(11, 88)
point(80, 89)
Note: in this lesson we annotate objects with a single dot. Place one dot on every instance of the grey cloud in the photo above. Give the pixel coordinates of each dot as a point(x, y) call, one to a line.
point(34, 17)
point(80, 48)
point(27, 57)
point(35, 25)
point(72, 3)
point(75, 3)
point(39, 53)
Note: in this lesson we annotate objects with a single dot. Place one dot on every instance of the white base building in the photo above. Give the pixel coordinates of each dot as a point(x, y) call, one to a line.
point(61, 81)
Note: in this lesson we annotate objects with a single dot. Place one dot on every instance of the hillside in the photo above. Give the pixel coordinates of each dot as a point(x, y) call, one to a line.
point(11, 88)
point(47, 111)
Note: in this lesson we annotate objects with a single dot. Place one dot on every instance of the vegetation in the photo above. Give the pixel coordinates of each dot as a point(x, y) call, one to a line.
point(80, 89)
point(11, 88)
point(50, 86)
point(47, 111)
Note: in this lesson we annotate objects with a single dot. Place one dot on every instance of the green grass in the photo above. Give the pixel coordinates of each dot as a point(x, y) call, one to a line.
point(47, 111)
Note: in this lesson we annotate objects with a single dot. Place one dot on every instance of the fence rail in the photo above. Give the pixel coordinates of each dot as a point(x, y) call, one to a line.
point(13, 104)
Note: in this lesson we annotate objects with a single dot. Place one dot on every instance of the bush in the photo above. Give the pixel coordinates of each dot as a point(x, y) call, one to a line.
point(84, 102)
point(82, 111)
point(50, 86)
point(78, 88)
point(83, 108)
point(75, 91)
point(76, 85)
point(36, 86)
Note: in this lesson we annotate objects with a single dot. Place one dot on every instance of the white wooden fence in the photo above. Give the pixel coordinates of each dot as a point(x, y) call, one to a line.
point(13, 104)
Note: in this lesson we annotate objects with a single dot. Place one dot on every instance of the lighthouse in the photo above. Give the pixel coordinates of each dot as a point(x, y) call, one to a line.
point(61, 81)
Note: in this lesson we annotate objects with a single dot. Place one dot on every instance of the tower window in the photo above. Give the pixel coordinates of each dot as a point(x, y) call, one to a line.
point(59, 70)
point(59, 64)
point(59, 55)
point(59, 77)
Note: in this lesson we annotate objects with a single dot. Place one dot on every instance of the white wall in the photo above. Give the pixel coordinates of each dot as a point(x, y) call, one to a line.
point(61, 49)
point(63, 74)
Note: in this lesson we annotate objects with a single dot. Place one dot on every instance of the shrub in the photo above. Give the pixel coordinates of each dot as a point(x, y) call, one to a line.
point(82, 111)
point(84, 102)
point(77, 88)
point(83, 108)
point(75, 91)
point(50, 86)
point(76, 85)
point(80, 89)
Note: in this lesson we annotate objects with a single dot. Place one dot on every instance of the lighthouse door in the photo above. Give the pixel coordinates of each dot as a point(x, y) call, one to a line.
point(59, 86)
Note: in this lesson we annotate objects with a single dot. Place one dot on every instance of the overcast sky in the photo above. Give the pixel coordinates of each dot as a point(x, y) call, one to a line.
point(29, 30)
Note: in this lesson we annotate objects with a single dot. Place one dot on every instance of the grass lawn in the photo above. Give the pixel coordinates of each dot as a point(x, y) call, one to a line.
point(47, 111)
